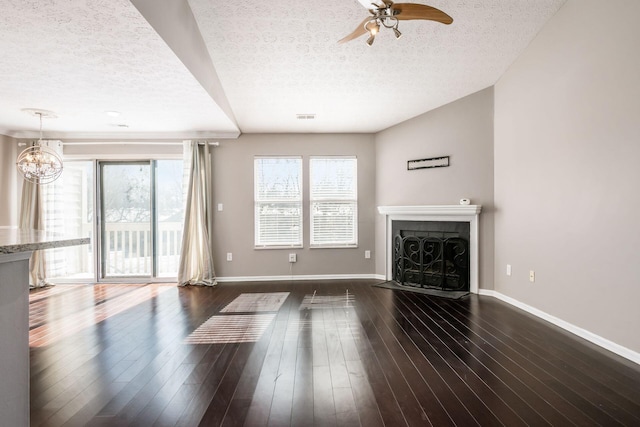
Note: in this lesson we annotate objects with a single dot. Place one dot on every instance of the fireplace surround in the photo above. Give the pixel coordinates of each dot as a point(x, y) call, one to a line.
point(433, 214)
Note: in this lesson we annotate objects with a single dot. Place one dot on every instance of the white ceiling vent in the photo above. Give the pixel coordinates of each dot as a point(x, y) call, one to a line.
point(305, 116)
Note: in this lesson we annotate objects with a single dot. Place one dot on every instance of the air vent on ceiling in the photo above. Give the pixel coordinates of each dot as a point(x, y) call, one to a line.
point(305, 116)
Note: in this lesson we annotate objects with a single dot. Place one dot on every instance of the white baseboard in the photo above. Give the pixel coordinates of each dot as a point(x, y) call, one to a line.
point(576, 330)
point(299, 277)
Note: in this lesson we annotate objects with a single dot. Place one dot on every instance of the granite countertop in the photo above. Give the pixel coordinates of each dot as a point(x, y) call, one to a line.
point(15, 241)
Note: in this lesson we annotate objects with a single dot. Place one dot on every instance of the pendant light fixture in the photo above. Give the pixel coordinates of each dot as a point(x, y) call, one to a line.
point(40, 164)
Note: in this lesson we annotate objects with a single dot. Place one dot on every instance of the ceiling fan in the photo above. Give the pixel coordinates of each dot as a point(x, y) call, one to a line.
point(385, 13)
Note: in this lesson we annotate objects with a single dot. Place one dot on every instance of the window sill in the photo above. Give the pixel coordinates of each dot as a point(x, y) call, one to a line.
point(262, 248)
point(334, 246)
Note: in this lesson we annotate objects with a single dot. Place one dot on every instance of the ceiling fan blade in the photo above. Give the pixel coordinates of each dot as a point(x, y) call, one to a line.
point(374, 4)
point(406, 11)
point(359, 31)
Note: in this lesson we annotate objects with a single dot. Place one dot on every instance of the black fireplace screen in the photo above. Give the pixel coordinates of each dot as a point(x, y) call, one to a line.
point(431, 260)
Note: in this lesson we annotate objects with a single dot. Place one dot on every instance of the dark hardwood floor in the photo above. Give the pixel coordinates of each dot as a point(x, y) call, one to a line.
point(339, 353)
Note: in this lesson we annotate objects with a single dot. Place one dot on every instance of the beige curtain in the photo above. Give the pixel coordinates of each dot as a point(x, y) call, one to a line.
point(32, 217)
point(196, 258)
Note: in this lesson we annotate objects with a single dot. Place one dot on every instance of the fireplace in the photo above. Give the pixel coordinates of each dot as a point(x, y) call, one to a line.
point(432, 246)
point(431, 254)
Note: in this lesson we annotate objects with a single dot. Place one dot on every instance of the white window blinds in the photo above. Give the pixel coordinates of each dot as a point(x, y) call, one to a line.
point(334, 201)
point(278, 201)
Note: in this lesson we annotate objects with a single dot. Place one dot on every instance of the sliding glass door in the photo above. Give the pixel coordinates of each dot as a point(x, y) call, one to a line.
point(141, 212)
point(126, 226)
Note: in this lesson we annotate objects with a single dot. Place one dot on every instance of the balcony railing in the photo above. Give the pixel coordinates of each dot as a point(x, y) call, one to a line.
point(128, 249)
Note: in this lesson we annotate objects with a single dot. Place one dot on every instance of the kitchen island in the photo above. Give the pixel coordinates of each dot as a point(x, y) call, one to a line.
point(16, 246)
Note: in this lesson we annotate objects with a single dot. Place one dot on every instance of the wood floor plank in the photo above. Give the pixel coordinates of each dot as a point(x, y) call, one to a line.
point(397, 367)
point(528, 388)
point(372, 371)
point(302, 410)
point(260, 407)
point(566, 389)
point(282, 403)
point(200, 387)
point(363, 395)
point(567, 354)
point(242, 397)
point(335, 353)
point(85, 377)
point(623, 373)
point(217, 410)
point(324, 408)
point(623, 409)
point(196, 409)
point(514, 393)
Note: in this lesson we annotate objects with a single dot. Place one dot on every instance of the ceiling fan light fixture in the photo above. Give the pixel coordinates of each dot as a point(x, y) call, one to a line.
point(371, 39)
point(372, 27)
point(387, 14)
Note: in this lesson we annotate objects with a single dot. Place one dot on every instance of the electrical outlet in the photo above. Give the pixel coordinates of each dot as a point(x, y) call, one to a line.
point(367, 254)
point(293, 258)
point(229, 256)
point(508, 269)
point(532, 276)
point(220, 207)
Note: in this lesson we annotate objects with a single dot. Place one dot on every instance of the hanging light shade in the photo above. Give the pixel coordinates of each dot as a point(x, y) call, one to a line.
point(39, 164)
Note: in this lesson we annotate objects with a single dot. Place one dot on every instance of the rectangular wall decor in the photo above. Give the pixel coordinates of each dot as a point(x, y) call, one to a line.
point(433, 162)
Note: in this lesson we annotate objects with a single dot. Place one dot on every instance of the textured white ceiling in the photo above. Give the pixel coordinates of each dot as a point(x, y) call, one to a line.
point(80, 58)
point(279, 58)
point(273, 59)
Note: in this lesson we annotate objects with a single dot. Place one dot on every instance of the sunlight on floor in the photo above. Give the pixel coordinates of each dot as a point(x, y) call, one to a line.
point(108, 301)
point(239, 328)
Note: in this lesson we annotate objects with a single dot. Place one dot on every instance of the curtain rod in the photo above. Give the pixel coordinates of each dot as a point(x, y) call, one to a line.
point(214, 144)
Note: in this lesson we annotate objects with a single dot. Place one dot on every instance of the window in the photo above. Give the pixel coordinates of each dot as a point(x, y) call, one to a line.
point(68, 205)
point(278, 201)
point(334, 201)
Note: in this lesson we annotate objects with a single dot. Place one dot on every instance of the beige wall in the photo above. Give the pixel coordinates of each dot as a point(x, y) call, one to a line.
point(462, 130)
point(233, 187)
point(133, 150)
point(567, 152)
point(8, 182)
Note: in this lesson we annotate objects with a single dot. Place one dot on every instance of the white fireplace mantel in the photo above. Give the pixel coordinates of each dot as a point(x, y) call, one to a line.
point(454, 213)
